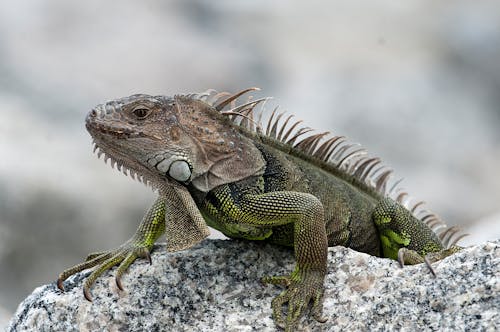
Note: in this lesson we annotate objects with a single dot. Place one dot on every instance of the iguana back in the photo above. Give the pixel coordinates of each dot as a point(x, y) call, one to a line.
point(348, 210)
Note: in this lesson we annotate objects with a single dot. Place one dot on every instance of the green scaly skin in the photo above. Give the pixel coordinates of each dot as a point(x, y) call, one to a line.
point(140, 245)
point(261, 190)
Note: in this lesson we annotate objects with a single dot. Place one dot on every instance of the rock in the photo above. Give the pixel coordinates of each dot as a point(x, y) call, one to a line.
point(215, 287)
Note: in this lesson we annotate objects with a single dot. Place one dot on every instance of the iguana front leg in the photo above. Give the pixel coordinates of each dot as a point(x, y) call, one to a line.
point(306, 212)
point(140, 245)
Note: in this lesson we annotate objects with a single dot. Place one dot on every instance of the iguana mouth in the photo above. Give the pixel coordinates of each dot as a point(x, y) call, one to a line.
point(103, 132)
point(96, 127)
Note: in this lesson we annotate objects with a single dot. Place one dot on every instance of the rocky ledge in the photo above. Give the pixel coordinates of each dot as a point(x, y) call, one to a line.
point(215, 286)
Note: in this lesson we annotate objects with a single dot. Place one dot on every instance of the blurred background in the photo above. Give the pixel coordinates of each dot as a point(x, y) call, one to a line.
point(417, 82)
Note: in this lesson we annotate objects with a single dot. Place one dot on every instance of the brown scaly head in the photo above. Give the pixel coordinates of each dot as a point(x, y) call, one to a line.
point(179, 138)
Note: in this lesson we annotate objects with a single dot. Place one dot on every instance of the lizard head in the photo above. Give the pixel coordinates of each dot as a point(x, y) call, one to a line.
point(178, 138)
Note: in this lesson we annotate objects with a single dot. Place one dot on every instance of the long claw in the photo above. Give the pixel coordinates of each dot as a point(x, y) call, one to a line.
point(118, 281)
point(295, 309)
point(148, 257)
point(60, 284)
point(276, 305)
point(86, 294)
point(122, 268)
point(320, 318)
point(109, 263)
point(428, 263)
point(401, 259)
point(317, 309)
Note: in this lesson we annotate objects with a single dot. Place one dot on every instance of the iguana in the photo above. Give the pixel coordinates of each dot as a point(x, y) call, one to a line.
point(212, 163)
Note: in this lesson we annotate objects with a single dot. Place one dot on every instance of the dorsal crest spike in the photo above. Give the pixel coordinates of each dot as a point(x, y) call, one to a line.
point(251, 105)
point(446, 232)
point(350, 155)
point(381, 181)
point(299, 133)
point(415, 207)
point(447, 235)
point(244, 116)
point(274, 127)
point(308, 144)
point(213, 99)
point(290, 131)
point(395, 185)
point(324, 148)
point(366, 174)
point(219, 107)
point(268, 127)
point(342, 150)
point(362, 167)
point(401, 197)
point(457, 238)
point(317, 139)
point(332, 148)
point(247, 121)
point(436, 223)
point(283, 126)
point(355, 164)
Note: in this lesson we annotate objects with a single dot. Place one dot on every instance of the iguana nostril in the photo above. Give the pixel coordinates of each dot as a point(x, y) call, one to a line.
point(89, 119)
point(109, 108)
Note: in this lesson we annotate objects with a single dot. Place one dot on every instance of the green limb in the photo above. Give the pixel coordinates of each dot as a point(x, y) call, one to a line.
point(398, 228)
point(80, 267)
point(140, 245)
point(407, 239)
point(283, 207)
point(305, 211)
point(93, 255)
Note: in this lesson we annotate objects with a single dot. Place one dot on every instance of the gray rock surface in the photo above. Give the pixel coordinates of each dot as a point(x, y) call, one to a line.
point(215, 287)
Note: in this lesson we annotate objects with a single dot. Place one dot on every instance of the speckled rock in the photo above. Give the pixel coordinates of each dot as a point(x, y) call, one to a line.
point(215, 287)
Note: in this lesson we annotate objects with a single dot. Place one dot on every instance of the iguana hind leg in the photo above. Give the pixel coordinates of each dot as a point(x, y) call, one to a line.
point(140, 245)
point(407, 239)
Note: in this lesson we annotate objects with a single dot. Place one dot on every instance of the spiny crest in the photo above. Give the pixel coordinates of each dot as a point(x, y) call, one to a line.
point(334, 151)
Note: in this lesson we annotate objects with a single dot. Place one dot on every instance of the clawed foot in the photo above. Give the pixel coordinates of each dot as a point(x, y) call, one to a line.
point(408, 256)
point(122, 256)
point(303, 287)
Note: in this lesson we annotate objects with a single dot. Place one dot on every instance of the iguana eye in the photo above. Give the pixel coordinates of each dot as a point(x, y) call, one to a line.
point(141, 112)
